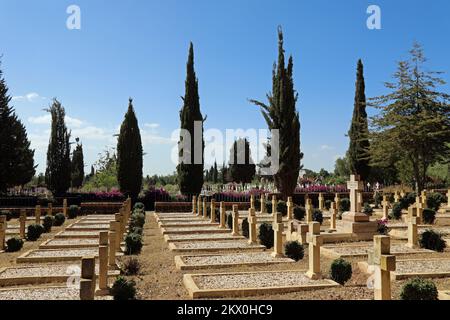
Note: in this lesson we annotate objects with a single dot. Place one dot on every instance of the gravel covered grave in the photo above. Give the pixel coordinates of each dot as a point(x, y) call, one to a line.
point(237, 258)
point(363, 250)
point(210, 236)
point(90, 226)
point(176, 223)
point(44, 294)
point(80, 233)
point(42, 270)
point(255, 280)
point(216, 244)
point(63, 253)
point(422, 266)
point(175, 228)
point(68, 242)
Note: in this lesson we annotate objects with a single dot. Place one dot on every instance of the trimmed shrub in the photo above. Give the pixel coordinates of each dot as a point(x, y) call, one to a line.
point(396, 213)
point(266, 236)
point(6, 213)
point(34, 232)
point(48, 223)
point(229, 221)
point(137, 220)
point(282, 207)
point(269, 206)
point(73, 212)
point(124, 289)
point(344, 205)
point(341, 271)
point(429, 216)
point(294, 250)
point(367, 209)
point(59, 219)
point(419, 289)
point(408, 200)
point(131, 266)
point(245, 231)
point(435, 200)
point(133, 242)
point(382, 227)
point(14, 244)
point(318, 216)
point(139, 205)
point(137, 230)
point(432, 240)
point(299, 213)
point(328, 204)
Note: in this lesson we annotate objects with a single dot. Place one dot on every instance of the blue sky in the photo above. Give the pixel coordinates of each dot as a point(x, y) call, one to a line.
point(139, 48)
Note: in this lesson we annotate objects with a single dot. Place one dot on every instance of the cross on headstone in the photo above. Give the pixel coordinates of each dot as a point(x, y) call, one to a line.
point(278, 227)
point(385, 204)
point(419, 207)
point(252, 201)
point(383, 263)
point(118, 232)
point(308, 211)
point(412, 232)
point(333, 210)
point(263, 203)
point(235, 215)
point(315, 240)
point(396, 197)
point(222, 215)
point(355, 186)
point(337, 200)
point(423, 197)
point(290, 208)
point(194, 205)
point(213, 211)
point(252, 220)
point(321, 201)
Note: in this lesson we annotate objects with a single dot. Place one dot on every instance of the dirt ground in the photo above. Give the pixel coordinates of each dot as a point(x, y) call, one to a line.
point(160, 280)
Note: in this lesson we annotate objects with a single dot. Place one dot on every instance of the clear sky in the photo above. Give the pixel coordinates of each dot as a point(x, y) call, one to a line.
point(139, 49)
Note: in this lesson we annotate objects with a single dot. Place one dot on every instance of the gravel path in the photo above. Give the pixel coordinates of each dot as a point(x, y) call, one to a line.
point(63, 253)
point(233, 258)
point(420, 266)
point(255, 280)
point(44, 294)
point(215, 244)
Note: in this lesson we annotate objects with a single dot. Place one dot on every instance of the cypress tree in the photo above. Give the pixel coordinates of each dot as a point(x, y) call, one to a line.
point(129, 155)
point(77, 166)
point(16, 160)
point(190, 173)
point(57, 174)
point(281, 114)
point(359, 130)
point(216, 173)
point(241, 172)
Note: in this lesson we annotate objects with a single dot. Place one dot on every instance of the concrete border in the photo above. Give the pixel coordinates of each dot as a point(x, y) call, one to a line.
point(196, 293)
point(24, 258)
point(45, 245)
point(61, 235)
point(173, 248)
point(187, 225)
point(229, 238)
point(329, 253)
point(444, 295)
point(165, 231)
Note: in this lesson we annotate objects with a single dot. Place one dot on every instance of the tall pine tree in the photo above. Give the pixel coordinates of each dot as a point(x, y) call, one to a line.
point(129, 155)
point(242, 168)
point(57, 174)
point(190, 173)
point(216, 173)
point(281, 114)
point(17, 158)
point(359, 130)
point(77, 166)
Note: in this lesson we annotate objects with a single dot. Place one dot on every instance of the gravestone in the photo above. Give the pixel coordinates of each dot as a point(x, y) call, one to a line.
point(103, 261)
point(278, 236)
point(419, 207)
point(337, 200)
point(252, 220)
point(315, 240)
point(355, 221)
point(213, 211)
point(65, 207)
point(235, 215)
point(423, 198)
point(383, 263)
point(112, 244)
point(252, 201)
point(87, 281)
point(308, 211)
point(263, 204)
point(199, 206)
point(290, 209)
point(3, 226)
point(37, 214)
point(194, 205)
point(412, 233)
point(205, 208)
point(119, 236)
point(333, 210)
point(22, 222)
point(222, 216)
point(274, 204)
point(385, 204)
point(321, 202)
point(50, 209)
point(396, 197)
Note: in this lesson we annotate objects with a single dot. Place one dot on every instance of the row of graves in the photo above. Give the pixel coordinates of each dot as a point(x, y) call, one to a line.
point(204, 242)
point(77, 263)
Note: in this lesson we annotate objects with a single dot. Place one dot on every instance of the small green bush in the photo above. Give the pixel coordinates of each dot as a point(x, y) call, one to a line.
point(139, 205)
point(124, 289)
point(318, 216)
point(131, 266)
point(328, 204)
point(344, 205)
point(282, 207)
point(435, 200)
point(429, 216)
point(34, 232)
point(245, 227)
point(133, 242)
point(59, 219)
point(229, 221)
point(396, 213)
point(368, 209)
point(419, 289)
point(48, 223)
point(408, 200)
point(137, 230)
point(294, 250)
point(7, 214)
point(73, 212)
point(137, 220)
point(299, 213)
point(14, 244)
point(432, 240)
point(257, 205)
point(341, 271)
point(269, 207)
point(266, 236)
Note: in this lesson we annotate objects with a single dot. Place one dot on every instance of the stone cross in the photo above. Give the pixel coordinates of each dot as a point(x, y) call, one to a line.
point(263, 203)
point(448, 199)
point(333, 210)
point(402, 194)
point(321, 202)
point(315, 240)
point(112, 244)
point(419, 207)
point(252, 226)
point(308, 211)
point(384, 263)
point(22, 221)
point(235, 215)
point(274, 204)
point(37, 214)
point(396, 197)
point(337, 199)
point(117, 229)
point(252, 201)
point(355, 186)
point(278, 235)
point(65, 207)
point(412, 233)
point(50, 209)
point(199, 206)
point(423, 197)
point(87, 281)
point(213, 211)
point(103, 260)
point(205, 208)
point(194, 205)
point(3, 225)
point(385, 204)
point(222, 215)
point(290, 209)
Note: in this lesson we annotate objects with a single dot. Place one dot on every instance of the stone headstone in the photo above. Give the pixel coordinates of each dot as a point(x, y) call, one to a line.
point(87, 281)
point(37, 214)
point(22, 222)
point(290, 208)
point(321, 202)
point(315, 240)
point(213, 211)
point(65, 207)
point(103, 260)
point(278, 235)
point(222, 215)
point(194, 205)
point(308, 211)
point(112, 244)
point(205, 208)
point(235, 215)
point(274, 205)
point(383, 263)
point(412, 232)
point(3, 226)
point(252, 220)
point(385, 204)
point(333, 210)
point(263, 204)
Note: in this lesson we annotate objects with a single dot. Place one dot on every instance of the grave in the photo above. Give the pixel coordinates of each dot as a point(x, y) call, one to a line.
point(201, 237)
point(193, 230)
point(241, 245)
point(69, 243)
point(44, 293)
point(56, 255)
